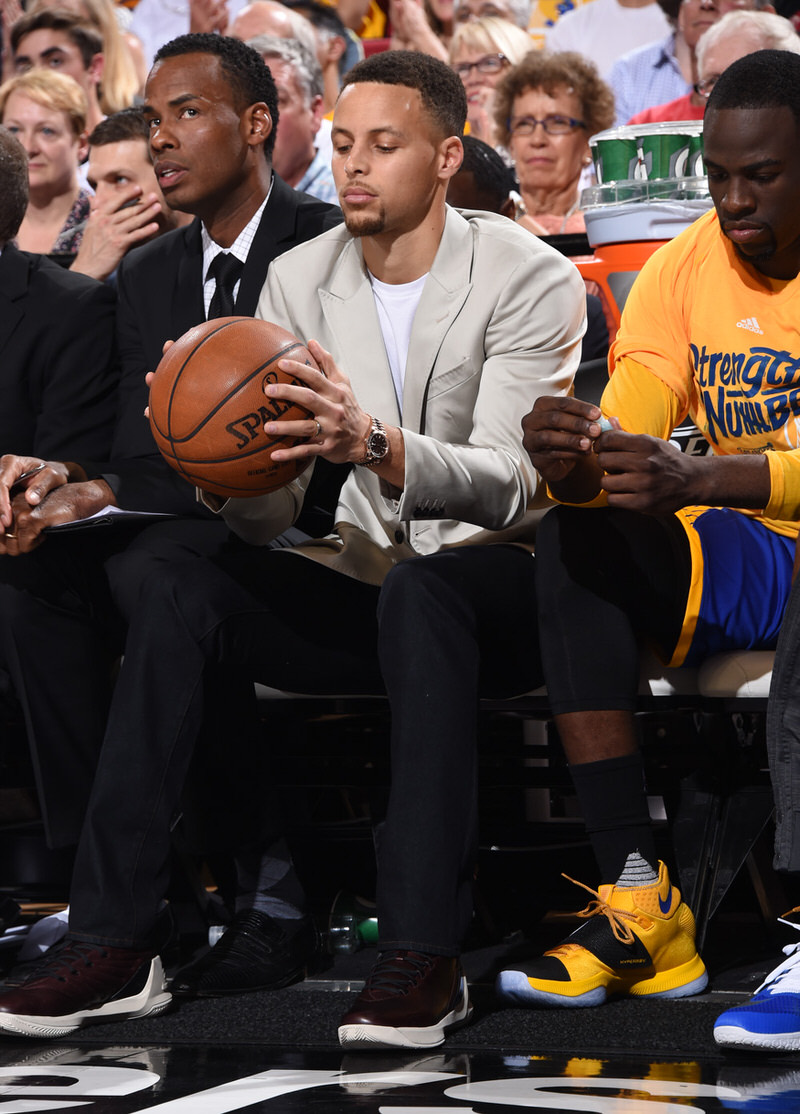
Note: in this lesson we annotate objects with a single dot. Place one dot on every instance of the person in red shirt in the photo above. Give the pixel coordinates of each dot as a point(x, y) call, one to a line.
point(738, 33)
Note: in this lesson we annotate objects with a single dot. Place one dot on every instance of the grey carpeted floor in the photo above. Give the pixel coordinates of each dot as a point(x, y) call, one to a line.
point(309, 1019)
point(306, 1016)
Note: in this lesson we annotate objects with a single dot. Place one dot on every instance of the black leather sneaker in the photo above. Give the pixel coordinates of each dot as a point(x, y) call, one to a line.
point(256, 952)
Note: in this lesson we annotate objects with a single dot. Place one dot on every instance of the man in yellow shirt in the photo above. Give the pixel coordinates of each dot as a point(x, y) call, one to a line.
point(693, 554)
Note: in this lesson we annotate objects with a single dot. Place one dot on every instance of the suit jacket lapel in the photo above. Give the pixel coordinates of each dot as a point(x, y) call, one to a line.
point(446, 289)
point(14, 280)
point(275, 233)
point(349, 309)
point(187, 306)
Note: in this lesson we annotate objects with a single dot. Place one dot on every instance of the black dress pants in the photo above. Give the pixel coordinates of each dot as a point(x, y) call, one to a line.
point(453, 626)
point(63, 613)
point(258, 614)
point(448, 624)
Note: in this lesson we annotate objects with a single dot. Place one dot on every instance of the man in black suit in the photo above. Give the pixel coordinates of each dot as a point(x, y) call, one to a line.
point(58, 366)
point(212, 106)
point(58, 361)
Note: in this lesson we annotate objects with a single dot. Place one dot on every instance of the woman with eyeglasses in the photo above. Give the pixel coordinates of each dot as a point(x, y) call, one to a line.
point(480, 53)
point(546, 109)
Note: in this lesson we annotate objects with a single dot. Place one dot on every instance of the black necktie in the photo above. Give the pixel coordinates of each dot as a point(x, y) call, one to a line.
point(226, 269)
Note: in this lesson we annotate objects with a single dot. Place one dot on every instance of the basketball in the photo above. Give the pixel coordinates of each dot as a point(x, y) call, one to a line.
point(208, 408)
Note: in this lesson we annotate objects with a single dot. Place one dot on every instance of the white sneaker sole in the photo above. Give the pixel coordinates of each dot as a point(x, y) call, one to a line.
point(153, 999)
point(515, 987)
point(387, 1036)
point(734, 1037)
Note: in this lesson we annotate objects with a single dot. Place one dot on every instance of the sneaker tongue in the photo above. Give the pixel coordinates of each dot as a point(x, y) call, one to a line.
point(617, 898)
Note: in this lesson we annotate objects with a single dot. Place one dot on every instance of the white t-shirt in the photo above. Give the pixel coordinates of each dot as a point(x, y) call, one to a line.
point(396, 304)
point(603, 30)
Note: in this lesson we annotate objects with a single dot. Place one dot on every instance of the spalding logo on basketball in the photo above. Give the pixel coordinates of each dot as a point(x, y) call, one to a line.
point(208, 408)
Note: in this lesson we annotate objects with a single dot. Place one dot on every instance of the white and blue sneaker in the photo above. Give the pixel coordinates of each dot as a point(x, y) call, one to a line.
point(771, 1018)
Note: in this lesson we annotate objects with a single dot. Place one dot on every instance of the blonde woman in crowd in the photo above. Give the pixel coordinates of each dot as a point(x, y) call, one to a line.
point(546, 109)
point(481, 52)
point(46, 111)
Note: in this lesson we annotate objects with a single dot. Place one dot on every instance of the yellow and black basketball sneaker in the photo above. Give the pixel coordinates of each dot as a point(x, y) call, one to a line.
point(637, 941)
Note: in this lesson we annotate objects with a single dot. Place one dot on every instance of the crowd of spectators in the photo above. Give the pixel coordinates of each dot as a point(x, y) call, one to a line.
point(649, 62)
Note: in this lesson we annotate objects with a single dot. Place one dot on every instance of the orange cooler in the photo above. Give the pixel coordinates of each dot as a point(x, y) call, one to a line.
point(626, 221)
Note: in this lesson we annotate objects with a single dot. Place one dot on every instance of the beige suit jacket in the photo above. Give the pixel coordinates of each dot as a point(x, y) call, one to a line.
point(499, 323)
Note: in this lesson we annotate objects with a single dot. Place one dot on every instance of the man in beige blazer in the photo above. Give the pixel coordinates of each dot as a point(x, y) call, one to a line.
point(468, 375)
point(435, 332)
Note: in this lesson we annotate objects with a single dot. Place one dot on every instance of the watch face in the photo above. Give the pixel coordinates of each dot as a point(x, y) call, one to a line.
point(377, 444)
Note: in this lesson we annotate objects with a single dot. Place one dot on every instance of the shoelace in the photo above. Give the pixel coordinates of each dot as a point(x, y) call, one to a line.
point(786, 973)
point(248, 930)
point(65, 960)
point(617, 918)
point(398, 971)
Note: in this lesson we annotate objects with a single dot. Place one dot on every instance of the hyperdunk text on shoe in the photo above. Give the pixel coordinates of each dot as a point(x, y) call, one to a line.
point(83, 984)
point(771, 1018)
point(636, 941)
point(410, 1000)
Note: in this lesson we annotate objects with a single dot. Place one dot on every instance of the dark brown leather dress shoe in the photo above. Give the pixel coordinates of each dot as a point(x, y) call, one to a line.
point(410, 1000)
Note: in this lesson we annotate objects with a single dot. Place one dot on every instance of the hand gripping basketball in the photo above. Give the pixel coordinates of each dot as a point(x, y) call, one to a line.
point(208, 408)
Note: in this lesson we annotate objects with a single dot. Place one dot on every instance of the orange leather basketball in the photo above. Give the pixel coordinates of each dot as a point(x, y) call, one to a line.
point(208, 408)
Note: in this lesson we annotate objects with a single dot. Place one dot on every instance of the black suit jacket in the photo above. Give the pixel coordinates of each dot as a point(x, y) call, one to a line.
point(58, 363)
point(160, 291)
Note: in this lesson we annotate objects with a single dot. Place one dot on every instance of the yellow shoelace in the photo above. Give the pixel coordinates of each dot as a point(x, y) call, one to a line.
point(617, 918)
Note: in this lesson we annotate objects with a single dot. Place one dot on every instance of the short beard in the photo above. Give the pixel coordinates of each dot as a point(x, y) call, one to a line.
point(358, 224)
point(754, 258)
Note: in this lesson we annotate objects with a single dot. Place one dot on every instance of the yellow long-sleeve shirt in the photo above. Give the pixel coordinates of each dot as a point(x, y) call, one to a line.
point(706, 335)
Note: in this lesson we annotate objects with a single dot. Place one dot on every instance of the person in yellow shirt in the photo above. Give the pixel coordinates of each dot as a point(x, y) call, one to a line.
point(690, 553)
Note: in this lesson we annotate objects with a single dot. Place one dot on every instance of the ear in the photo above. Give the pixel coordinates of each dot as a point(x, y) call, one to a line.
point(317, 112)
point(509, 208)
point(96, 68)
point(83, 146)
point(258, 123)
point(336, 48)
point(452, 155)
